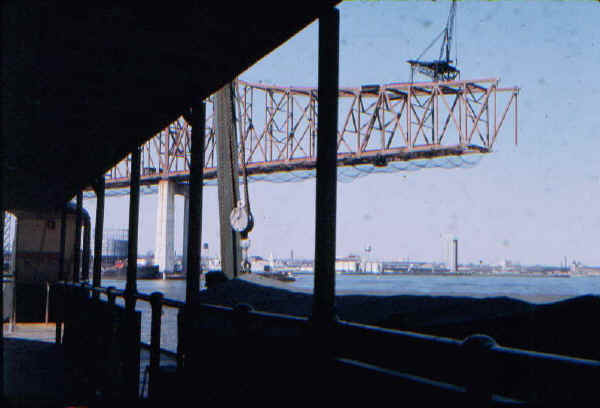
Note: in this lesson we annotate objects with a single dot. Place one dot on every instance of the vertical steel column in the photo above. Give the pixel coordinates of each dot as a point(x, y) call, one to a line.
point(99, 232)
point(85, 258)
point(59, 291)
point(77, 243)
point(186, 230)
point(156, 304)
point(132, 252)
point(63, 236)
point(516, 118)
point(194, 237)
point(326, 184)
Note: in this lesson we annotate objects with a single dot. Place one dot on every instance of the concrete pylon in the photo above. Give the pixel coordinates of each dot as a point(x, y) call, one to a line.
point(164, 254)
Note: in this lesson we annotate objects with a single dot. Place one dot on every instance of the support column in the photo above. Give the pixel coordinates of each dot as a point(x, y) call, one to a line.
point(132, 252)
point(193, 211)
point(63, 236)
point(99, 232)
point(85, 257)
point(186, 228)
point(62, 276)
point(326, 177)
point(77, 244)
point(164, 254)
point(227, 171)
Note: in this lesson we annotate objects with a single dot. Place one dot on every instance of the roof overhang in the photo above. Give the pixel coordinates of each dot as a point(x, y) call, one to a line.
point(83, 84)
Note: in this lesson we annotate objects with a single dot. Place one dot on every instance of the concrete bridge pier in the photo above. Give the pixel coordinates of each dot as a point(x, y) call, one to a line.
point(164, 255)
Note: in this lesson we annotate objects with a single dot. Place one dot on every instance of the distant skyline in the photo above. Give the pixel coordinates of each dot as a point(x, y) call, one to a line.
point(534, 203)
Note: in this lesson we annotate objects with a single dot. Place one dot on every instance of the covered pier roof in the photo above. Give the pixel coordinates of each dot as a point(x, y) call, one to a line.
point(83, 84)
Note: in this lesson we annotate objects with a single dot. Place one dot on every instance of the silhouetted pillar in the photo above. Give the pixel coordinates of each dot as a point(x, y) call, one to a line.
point(99, 232)
point(194, 202)
point(227, 171)
point(85, 259)
point(186, 232)
point(134, 207)
point(77, 244)
point(61, 274)
point(326, 177)
point(63, 237)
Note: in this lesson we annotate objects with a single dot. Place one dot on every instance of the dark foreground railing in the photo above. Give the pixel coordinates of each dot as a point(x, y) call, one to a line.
point(265, 355)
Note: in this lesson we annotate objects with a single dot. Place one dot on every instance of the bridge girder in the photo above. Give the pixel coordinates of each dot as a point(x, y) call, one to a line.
point(378, 124)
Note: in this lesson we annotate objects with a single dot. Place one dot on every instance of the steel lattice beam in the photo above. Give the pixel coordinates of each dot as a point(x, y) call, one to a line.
point(378, 124)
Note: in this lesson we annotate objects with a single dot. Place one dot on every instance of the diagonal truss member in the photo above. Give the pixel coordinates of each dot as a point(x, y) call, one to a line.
point(378, 124)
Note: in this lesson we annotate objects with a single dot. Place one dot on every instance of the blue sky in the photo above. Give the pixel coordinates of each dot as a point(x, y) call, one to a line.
point(534, 203)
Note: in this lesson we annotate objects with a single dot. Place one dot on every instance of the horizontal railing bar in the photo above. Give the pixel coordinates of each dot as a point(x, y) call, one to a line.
point(121, 293)
point(178, 304)
point(426, 384)
point(169, 353)
point(142, 296)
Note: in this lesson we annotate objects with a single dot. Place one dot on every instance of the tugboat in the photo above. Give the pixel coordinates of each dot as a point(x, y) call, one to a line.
point(283, 274)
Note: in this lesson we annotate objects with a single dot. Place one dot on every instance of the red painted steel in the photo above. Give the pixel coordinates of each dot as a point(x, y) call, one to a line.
point(378, 124)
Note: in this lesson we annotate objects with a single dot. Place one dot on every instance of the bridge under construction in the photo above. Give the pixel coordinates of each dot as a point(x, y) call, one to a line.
point(381, 127)
point(86, 85)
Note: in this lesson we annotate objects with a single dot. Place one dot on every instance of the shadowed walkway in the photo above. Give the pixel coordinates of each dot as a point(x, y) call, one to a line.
point(34, 368)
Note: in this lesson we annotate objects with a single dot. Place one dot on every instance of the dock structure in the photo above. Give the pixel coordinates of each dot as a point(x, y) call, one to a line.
point(73, 112)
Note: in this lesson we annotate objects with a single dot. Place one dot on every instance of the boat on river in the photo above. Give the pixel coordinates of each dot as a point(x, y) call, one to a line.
point(119, 271)
point(272, 270)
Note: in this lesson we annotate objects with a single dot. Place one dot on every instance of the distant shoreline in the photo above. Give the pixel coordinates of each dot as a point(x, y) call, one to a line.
point(461, 274)
point(535, 298)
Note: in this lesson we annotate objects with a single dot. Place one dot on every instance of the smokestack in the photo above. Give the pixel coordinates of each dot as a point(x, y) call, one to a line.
point(454, 256)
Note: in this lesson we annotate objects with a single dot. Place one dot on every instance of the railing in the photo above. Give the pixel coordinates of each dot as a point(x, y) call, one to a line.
point(474, 369)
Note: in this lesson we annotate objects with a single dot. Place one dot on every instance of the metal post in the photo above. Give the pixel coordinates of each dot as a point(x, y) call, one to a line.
point(59, 293)
point(47, 311)
point(156, 303)
point(63, 236)
point(77, 243)
point(59, 289)
point(134, 206)
point(85, 261)
point(180, 339)
point(326, 174)
point(97, 274)
point(186, 229)
point(195, 201)
point(111, 295)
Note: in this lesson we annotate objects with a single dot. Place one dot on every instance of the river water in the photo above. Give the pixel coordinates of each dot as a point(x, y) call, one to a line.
point(532, 289)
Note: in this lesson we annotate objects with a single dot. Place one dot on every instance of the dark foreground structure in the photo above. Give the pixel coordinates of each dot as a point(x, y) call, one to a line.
point(70, 75)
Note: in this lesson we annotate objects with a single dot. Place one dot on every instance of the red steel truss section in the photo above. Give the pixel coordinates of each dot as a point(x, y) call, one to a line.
point(378, 124)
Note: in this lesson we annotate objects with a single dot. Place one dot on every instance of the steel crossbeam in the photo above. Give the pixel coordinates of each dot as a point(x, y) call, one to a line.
point(378, 124)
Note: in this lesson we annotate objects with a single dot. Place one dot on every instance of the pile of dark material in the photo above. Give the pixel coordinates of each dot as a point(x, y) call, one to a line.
point(565, 327)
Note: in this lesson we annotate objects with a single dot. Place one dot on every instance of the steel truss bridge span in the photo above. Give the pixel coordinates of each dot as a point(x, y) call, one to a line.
point(378, 125)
